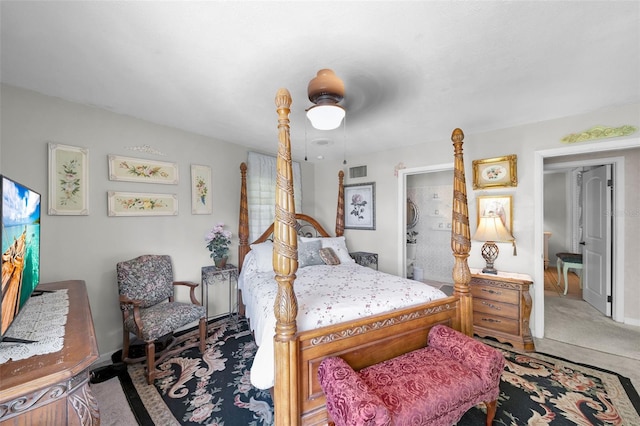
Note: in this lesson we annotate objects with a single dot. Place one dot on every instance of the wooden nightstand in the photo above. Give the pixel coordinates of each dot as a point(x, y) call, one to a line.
point(365, 258)
point(501, 307)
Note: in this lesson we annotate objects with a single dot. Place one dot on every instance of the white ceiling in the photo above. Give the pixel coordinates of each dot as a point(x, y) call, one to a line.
point(413, 70)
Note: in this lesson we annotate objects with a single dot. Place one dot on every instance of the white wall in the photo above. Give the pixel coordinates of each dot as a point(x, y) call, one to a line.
point(556, 215)
point(523, 141)
point(88, 247)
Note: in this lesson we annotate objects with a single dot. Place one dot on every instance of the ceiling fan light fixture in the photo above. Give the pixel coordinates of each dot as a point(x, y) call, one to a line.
point(326, 117)
point(326, 90)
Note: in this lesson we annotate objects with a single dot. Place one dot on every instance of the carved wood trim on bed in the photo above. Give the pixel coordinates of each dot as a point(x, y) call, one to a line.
point(285, 265)
point(460, 237)
point(302, 224)
point(243, 228)
point(365, 342)
point(362, 342)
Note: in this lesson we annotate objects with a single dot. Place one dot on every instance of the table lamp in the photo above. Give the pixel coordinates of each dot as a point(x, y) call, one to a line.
point(491, 230)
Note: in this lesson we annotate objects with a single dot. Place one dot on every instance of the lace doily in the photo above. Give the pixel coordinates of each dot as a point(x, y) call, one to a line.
point(42, 320)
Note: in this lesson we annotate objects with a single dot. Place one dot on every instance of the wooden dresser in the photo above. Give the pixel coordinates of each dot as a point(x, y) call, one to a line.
point(53, 389)
point(501, 307)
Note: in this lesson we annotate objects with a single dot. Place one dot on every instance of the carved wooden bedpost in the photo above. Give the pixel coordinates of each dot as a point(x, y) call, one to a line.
point(460, 237)
point(340, 209)
point(285, 265)
point(243, 227)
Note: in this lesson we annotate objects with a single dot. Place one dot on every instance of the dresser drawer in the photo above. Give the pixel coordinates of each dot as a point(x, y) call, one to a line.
point(485, 306)
point(501, 306)
point(497, 294)
point(496, 323)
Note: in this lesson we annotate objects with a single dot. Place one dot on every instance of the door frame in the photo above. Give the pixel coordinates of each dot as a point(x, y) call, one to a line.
point(402, 207)
point(618, 191)
point(618, 231)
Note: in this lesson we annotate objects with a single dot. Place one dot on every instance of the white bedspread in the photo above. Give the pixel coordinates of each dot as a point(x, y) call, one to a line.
point(326, 295)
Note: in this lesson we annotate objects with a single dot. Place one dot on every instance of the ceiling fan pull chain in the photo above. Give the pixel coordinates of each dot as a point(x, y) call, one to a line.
point(344, 140)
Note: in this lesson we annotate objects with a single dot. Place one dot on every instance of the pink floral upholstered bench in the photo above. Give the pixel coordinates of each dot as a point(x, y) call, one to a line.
point(434, 385)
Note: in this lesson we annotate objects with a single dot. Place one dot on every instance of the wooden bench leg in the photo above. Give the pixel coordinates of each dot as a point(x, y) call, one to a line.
point(491, 411)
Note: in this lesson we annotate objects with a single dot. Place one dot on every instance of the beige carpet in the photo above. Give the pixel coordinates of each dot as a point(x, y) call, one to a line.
point(114, 408)
point(578, 323)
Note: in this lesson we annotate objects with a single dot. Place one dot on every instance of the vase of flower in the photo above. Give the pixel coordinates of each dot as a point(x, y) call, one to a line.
point(218, 241)
point(220, 262)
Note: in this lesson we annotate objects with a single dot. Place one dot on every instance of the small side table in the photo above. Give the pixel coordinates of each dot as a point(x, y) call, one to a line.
point(365, 258)
point(211, 275)
point(501, 307)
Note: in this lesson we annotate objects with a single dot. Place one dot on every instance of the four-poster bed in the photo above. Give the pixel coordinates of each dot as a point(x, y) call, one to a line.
point(364, 341)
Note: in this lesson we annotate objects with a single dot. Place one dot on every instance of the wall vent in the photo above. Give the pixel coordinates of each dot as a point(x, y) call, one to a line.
point(357, 172)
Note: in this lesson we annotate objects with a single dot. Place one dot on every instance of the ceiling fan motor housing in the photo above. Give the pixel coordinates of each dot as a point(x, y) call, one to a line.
point(326, 88)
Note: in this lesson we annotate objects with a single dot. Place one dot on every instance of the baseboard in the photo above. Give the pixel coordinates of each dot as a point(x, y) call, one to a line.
point(104, 359)
point(632, 321)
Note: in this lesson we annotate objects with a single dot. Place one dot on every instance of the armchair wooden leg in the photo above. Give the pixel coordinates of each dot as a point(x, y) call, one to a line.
point(151, 361)
point(125, 344)
point(203, 334)
point(491, 411)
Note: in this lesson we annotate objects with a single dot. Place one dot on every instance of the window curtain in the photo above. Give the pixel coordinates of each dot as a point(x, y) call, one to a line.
point(261, 192)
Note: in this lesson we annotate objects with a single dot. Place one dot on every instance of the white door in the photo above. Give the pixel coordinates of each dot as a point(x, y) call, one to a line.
point(596, 241)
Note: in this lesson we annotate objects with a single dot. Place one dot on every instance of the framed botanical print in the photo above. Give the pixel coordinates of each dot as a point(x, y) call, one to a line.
point(360, 206)
point(499, 172)
point(201, 189)
point(141, 170)
point(68, 180)
point(141, 204)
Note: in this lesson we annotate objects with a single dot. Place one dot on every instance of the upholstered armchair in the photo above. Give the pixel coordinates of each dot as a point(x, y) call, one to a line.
point(432, 386)
point(149, 311)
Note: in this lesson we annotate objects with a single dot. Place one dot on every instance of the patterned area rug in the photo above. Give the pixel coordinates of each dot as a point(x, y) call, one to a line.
point(541, 389)
point(209, 389)
point(214, 389)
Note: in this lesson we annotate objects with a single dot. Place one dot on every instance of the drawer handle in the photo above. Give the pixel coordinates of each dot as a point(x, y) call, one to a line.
point(491, 291)
point(490, 320)
point(491, 305)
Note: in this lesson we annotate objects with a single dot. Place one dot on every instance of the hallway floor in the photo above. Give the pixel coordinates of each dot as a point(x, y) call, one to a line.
point(571, 320)
point(552, 288)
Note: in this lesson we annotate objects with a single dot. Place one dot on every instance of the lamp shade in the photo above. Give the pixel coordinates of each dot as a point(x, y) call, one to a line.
point(491, 228)
point(325, 91)
point(326, 117)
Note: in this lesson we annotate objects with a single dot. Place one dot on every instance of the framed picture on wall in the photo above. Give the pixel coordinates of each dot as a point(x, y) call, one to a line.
point(201, 202)
point(499, 172)
point(498, 205)
point(68, 180)
point(360, 206)
point(140, 170)
point(141, 204)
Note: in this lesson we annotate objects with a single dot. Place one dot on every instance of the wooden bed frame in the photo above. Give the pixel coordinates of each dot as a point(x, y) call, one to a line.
point(298, 398)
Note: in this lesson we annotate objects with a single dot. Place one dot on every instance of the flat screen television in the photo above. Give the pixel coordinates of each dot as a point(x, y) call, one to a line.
point(20, 211)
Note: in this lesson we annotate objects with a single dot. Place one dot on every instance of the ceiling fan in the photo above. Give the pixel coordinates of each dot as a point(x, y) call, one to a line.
point(326, 91)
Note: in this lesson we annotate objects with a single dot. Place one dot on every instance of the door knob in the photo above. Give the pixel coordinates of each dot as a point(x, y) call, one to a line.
point(582, 243)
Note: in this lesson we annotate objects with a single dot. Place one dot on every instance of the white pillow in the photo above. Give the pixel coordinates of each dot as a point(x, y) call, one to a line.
point(249, 263)
point(264, 256)
point(338, 244)
point(307, 239)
